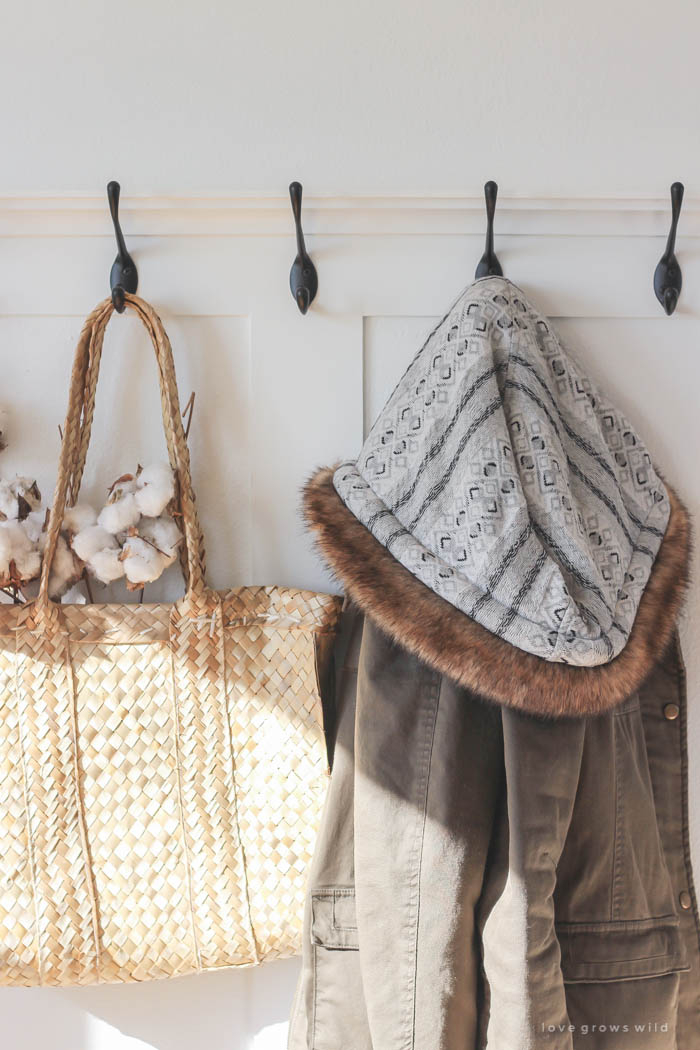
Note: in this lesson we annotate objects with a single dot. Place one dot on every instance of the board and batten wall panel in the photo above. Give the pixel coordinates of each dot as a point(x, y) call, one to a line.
point(279, 394)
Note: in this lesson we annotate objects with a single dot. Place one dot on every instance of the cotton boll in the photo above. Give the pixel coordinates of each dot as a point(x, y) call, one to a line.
point(122, 487)
point(142, 562)
point(8, 500)
point(27, 495)
point(100, 552)
point(5, 553)
point(16, 533)
point(65, 563)
point(120, 515)
point(152, 501)
point(106, 565)
point(163, 533)
point(91, 540)
point(18, 557)
point(159, 474)
point(28, 564)
point(79, 517)
point(156, 487)
point(18, 498)
point(17, 536)
point(16, 548)
point(74, 596)
point(28, 488)
point(33, 526)
point(65, 570)
point(9, 504)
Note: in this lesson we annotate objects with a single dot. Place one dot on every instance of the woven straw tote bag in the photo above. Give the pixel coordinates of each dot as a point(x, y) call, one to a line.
point(162, 766)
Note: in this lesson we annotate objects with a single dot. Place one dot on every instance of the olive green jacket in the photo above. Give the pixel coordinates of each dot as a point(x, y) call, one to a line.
point(490, 879)
point(495, 875)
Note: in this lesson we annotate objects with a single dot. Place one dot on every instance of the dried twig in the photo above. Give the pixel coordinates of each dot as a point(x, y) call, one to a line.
point(88, 588)
point(121, 481)
point(16, 593)
point(187, 413)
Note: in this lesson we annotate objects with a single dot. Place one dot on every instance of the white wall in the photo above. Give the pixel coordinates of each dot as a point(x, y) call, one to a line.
point(390, 95)
point(393, 115)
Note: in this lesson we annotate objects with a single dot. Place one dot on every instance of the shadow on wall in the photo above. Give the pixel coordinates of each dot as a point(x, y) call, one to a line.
point(233, 1010)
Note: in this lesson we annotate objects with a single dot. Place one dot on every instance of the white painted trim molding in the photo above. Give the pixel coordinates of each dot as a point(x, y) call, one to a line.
point(81, 215)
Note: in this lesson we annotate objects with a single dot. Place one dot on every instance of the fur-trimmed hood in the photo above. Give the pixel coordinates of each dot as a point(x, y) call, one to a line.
point(451, 642)
point(503, 520)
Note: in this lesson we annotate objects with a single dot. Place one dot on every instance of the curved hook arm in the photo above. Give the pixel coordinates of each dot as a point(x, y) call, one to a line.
point(123, 276)
point(677, 190)
point(303, 277)
point(668, 279)
point(295, 193)
point(489, 266)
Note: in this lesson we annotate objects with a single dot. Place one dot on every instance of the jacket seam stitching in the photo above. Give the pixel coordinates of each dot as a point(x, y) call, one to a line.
point(433, 696)
point(615, 900)
point(652, 923)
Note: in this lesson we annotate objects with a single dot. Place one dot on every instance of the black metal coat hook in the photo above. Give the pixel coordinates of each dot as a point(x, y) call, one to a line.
point(123, 277)
point(668, 279)
point(489, 265)
point(303, 278)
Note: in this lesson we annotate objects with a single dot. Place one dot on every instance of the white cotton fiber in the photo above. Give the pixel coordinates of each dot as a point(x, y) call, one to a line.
point(155, 489)
point(91, 540)
point(120, 515)
point(33, 526)
point(12, 491)
point(28, 564)
point(8, 500)
point(65, 570)
point(163, 533)
point(142, 562)
point(65, 564)
point(15, 546)
point(28, 490)
point(16, 535)
point(106, 565)
point(5, 552)
point(123, 486)
point(79, 517)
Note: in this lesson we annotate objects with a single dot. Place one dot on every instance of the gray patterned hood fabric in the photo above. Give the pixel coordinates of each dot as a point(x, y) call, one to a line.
point(506, 482)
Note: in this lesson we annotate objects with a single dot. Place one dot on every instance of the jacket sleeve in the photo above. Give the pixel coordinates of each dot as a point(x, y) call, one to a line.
point(428, 774)
point(524, 989)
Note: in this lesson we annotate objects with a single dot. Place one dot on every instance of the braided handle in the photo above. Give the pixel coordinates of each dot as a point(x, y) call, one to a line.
point(78, 426)
point(90, 387)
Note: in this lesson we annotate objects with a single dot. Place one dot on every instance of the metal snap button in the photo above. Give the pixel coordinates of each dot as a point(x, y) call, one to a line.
point(671, 712)
point(684, 900)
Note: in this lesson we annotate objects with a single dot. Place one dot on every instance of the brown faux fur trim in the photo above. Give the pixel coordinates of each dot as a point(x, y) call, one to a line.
point(448, 640)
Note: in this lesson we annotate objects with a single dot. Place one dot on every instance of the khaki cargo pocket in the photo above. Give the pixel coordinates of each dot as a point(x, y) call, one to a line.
point(621, 950)
point(622, 980)
point(339, 1017)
